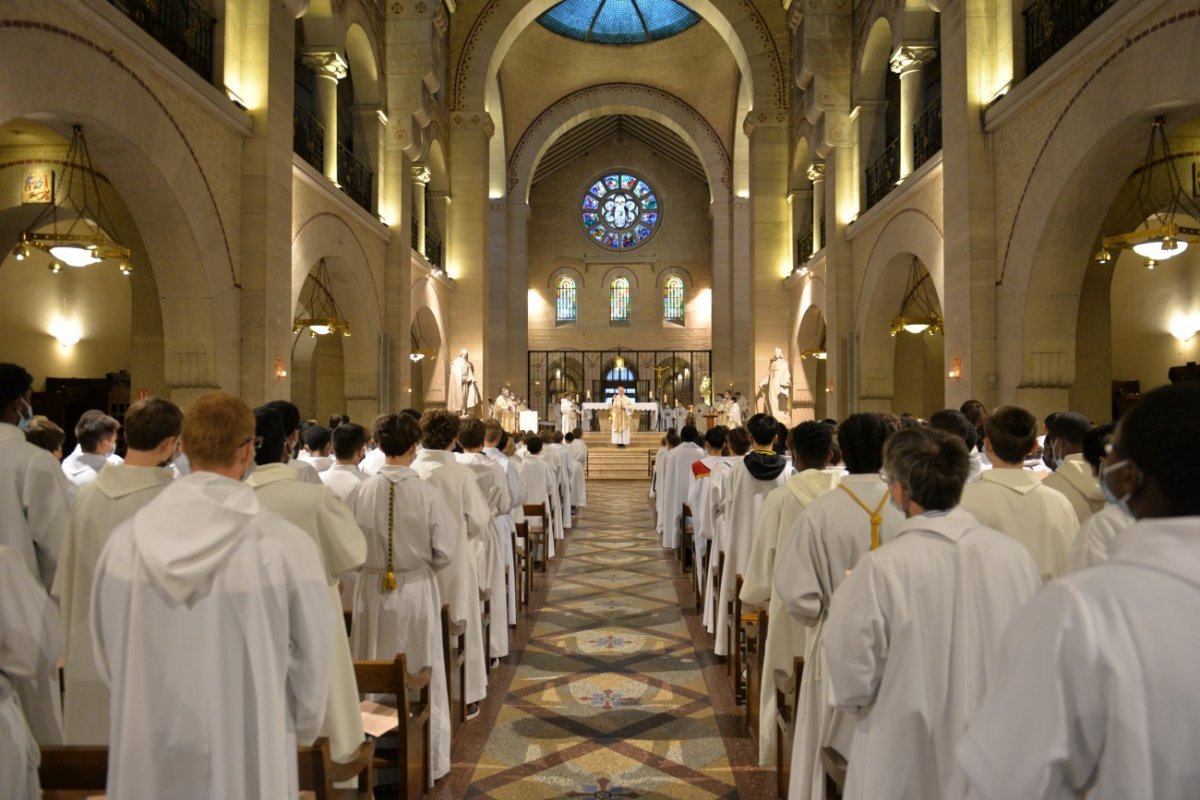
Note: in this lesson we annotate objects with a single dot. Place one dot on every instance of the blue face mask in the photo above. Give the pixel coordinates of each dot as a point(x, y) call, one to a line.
point(1109, 495)
point(26, 416)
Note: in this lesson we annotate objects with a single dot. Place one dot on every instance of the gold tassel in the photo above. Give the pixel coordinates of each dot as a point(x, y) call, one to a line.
point(389, 577)
point(389, 581)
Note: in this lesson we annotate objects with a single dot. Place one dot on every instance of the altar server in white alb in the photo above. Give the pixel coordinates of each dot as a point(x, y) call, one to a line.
point(676, 480)
point(749, 482)
point(811, 445)
point(459, 582)
point(495, 442)
point(578, 450)
point(30, 644)
point(1094, 692)
point(411, 536)
point(1097, 534)
point(913, 632)
point(152, 430)
point(349, 449)
point(1013, 500)
point(96, 448)
point(318, 448)
point(739, 443)
point(825, 544)
point(698, 499)
point(540, 489)
point(210, 617)
point(1072, 475)
point(290, 413)
point(317, 511)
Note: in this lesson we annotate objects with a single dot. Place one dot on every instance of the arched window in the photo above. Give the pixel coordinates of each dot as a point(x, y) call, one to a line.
point(565, 305)
point(618, 300)
point(673, 299)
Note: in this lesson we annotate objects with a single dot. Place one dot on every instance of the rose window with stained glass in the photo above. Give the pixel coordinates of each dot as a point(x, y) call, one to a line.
point(620, 211)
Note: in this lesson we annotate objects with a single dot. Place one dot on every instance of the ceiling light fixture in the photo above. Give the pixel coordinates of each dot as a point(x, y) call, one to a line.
point(86, 240)
point(1149, 220)
point(319, 312)
point(918, 311)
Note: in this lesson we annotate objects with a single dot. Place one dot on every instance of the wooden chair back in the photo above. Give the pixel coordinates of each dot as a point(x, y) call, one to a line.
point(755, 623)
point(686, 534)
point(410, 693)
point(74, 768)
point(538, 533)
point(787, 690)
point(524, 559)
point(835, 766)
point(454, 656)
point(319, 772)
point(735, 639)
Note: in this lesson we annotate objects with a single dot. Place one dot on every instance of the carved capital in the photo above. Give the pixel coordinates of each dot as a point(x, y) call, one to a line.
point(421, 174)
point(325, 63)
point(816, 171)
point(912, 58)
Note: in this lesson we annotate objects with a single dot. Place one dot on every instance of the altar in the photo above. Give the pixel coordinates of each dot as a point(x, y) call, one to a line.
point(646, 420)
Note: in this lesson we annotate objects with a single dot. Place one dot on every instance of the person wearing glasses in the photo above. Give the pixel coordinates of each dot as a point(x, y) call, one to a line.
point(1094, 692)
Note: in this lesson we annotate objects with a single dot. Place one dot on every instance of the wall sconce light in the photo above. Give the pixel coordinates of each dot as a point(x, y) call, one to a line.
point(280, 372)
point(1184, 326)
point(68, 332)
point(955, 368)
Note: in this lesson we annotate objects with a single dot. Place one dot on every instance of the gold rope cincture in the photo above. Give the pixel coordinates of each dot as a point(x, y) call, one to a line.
point(389, 578)
point(876, 515)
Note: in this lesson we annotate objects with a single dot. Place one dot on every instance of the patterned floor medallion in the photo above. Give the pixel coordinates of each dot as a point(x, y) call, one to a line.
point(609, 698)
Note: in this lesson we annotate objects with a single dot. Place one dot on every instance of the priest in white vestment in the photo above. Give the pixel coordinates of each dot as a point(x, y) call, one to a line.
point(1011, 499)
point(411, 535)
point(152, 428)
point(676, 480)
point(493, 483)
point(495, 441)
point(811, 445)
point(210, 617)
point(317, 511)
point(621, 413)
point(761, 471)
point(30, 644)
point(913, 633)
point(1094, 692)
point(825, 544)
point(349, 449)
point(459, 582)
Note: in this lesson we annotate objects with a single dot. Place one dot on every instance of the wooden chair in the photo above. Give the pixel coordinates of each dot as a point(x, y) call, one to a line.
point(787, 690)
point(835, 766)
point(319, 772)
point(525, 563)
point(410, 693)
point(736, 641)
point(485, 622)
point(755, 625)
point(538, 534)
point(453, 655)
point(74, 768)
point(515, 577)
point(686, 535)
point(717, 596)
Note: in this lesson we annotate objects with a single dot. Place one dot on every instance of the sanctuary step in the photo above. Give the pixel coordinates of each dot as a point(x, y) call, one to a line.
point(607, 462)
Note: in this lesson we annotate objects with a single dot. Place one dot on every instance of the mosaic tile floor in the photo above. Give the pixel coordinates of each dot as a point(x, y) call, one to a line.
point(609, 697)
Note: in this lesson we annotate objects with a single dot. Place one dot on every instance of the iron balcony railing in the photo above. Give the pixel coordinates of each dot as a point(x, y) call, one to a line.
point(181, 26)
point(927, 133)
point(308, 137)
point(804, 248)
point(433, 249)
point(354, 177)
point(883, 174)
point(1050, 24)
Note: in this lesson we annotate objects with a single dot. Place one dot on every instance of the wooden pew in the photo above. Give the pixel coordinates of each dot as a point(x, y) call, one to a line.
point(524, 564)
point(538, 533)
point(319, 772)
point(787, 692)
point(453, 655)
point(835, 766)
point(718, 597)
point(737, 644)
point(410, 694)
point(515, 577)
point(755, 625)
point(686, 535)
point(73, 770)
point(485, 623)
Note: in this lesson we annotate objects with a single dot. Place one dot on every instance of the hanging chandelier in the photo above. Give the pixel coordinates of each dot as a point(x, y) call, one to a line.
point(86, 240)
point(1153, 232)
point(820, 352)
point(918, 311)
point(319, 312)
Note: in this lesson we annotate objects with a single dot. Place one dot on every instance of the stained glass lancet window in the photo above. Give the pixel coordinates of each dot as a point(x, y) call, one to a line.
point(618, 300)
point(673, 299)
point(620, 211)
point(566, 300)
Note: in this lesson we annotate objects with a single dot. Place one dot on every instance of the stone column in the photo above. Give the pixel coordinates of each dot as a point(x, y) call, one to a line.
point(420, 179)
point(722, 271)
point(466, 242)
point(329, 67)
point(816, 174)
point(771, 244)
point(372, 125)
point(517, 243)
point(909, 63)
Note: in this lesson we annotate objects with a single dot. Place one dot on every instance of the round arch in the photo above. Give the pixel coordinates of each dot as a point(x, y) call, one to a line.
point(808, 391)
point(660, 280)
point(164, 188)
point(618, 98)
point(428, 324)
point(566, 272)
point(327, 236)
point(362, 55)
point(1093, 147)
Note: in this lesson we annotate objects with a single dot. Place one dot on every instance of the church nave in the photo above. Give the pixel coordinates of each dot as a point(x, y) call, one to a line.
point(608, 692)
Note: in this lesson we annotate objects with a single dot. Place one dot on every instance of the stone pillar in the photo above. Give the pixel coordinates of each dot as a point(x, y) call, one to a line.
point(771, 244)
point(816, 174)
point(909, 63)
point(266, 213)
point(517, 245)
point(467, 242)
point(372, 125)
point(741, 286)
point(420, 179)
point(722, 271)
point(329, 67)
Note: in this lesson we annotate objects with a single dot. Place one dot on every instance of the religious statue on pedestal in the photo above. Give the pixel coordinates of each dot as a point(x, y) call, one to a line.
point(462, 395)
point(778, 387)
point(706, 390)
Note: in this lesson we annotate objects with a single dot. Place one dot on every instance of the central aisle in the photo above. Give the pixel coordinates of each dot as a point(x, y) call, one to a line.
point(609, 698)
